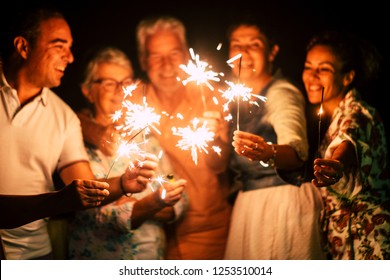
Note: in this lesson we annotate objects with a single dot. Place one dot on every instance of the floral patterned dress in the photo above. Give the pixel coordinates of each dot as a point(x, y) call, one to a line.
point(356, 218)
point(105, 233)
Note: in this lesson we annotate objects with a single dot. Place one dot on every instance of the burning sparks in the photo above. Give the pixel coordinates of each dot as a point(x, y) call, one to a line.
point(231, 60)
point(194, 138)
point(138, 117)
point(128, 148)
point(128, 91)
point(161, 180)
point(242, 92)
point(237, 92)
point(196, 69)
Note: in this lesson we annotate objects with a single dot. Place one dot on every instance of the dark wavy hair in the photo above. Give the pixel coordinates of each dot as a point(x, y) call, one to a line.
point(354, 53)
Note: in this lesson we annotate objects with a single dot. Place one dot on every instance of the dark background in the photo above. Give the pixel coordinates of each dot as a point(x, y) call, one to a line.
point(100, 23)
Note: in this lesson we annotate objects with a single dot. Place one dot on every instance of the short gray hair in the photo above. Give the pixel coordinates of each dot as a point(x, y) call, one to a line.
point(106, 55)
point(150, 26)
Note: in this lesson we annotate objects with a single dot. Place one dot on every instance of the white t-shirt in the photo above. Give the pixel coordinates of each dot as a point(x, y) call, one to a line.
point(35, 140)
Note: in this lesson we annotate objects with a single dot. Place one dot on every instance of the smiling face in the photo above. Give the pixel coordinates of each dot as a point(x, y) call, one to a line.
point(47, 60)
point(257, 54)
point(165, 53)
point(323, 70)
point(106, 93)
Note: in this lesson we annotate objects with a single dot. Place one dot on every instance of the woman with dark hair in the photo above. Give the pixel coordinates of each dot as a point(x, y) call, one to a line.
point(273, 216)
point(352, 171)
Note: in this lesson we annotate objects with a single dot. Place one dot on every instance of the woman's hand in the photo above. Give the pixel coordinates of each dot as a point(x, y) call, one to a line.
point(171, 192)
point(139, 173)
point(251, 146)
point(327, 172)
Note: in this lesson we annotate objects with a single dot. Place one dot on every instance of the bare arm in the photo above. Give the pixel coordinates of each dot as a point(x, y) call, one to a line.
point(23, 209)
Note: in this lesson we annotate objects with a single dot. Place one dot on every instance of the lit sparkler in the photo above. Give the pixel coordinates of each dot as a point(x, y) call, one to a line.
point(128, 91)
point(160, 179)
point(320, 112)
point(197, 71)
point(139, 116)
point(194, 138)
point(127, 148)
point(237, 92)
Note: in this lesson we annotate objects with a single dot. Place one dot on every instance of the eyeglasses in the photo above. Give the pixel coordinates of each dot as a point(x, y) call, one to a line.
point(110, 85)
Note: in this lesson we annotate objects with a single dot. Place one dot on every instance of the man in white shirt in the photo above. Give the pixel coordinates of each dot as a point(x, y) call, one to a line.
point(40, 133)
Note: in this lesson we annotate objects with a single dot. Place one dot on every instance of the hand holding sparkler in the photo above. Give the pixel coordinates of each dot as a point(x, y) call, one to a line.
point(171, 192)
point(156, 206)
point(139, 174)
point(252, 146)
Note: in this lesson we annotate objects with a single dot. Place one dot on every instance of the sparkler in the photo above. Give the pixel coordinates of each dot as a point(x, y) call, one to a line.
point(139, 116)
point(194, 138)
point(238, 98)
point(127, 148)
point(161, 180)
point(237, 92)
point(196, 69)
point(128, 91)
point(319, 122)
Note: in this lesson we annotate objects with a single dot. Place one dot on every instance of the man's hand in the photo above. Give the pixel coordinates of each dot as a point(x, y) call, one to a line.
point(86, 193)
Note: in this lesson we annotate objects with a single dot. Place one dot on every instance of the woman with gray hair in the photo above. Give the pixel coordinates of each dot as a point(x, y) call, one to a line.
point(132, 226)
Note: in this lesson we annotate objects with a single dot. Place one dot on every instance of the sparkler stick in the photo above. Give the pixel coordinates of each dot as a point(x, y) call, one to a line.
point(319, 122)
point(239, 92)
point(238, 99)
